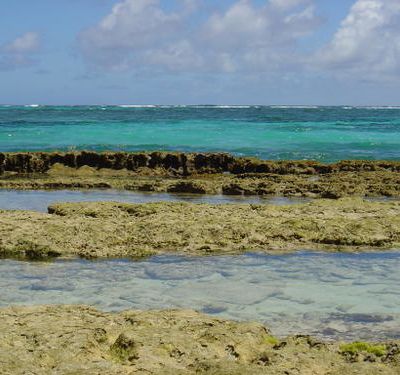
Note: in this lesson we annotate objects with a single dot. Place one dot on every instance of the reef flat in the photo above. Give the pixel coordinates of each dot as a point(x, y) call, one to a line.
point(80, 339)
point(198, 173)
point(110, 229)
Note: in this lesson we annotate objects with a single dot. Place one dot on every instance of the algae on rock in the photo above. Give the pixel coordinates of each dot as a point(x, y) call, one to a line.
point(110, 229)
point(82, 340)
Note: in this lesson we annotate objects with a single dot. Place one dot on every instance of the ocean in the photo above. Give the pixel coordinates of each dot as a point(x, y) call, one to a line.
point(325, 134)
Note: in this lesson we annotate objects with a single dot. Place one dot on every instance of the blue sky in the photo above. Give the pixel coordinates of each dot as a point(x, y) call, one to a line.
point(200, 51)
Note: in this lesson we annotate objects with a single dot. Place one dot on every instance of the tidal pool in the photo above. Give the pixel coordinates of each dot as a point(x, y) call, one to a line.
point(332, 296)
point(39, 200)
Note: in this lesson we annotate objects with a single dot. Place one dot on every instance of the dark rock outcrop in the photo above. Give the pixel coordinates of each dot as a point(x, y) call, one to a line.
point(187, 187)
point(182, 164)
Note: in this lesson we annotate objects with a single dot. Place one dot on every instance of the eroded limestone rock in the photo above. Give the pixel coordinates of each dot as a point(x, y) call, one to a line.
point(110, 229)
point(82, 340)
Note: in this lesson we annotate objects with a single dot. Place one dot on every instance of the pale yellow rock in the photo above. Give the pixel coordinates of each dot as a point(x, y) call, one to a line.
point(109, 229)
point(52, 340)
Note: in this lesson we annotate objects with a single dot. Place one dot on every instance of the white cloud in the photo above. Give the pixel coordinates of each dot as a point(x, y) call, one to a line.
point(176, 57)
point(242, 21)
point(131, 27)
point(20, 52)
point(288, 4)
point(244, 36)
point(133, 23)
point(367, 43)
point(260, 38)
point(26, 43)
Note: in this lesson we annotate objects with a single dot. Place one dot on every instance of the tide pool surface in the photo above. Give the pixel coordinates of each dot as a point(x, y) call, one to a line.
point(333, 296)
point(39, 200)
point(320, 133)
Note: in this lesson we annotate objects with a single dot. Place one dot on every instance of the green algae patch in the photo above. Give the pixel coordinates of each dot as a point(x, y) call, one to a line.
point(364, 347)
point(31, 250)
point(271, 340)
point(124, 348)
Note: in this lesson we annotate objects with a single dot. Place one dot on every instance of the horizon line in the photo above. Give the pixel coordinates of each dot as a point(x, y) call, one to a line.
point(152, 105)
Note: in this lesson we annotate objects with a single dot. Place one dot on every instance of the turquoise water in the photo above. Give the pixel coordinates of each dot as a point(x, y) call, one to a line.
point(346, 296)
point(319, 133)
point(333, 296)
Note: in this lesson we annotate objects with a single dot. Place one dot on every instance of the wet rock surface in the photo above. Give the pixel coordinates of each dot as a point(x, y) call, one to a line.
point(82, 340)
point(110, 229)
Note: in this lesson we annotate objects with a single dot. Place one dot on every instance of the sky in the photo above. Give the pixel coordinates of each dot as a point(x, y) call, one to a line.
point(315, 52)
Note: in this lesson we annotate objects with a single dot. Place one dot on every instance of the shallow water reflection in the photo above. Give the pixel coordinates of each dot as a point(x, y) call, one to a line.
point(346, 296)
point(39, 200)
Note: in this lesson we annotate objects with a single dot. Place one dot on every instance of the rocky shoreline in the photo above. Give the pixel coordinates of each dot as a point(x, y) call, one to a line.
point(110, 229)
point(198, 174)
point(80, 339)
